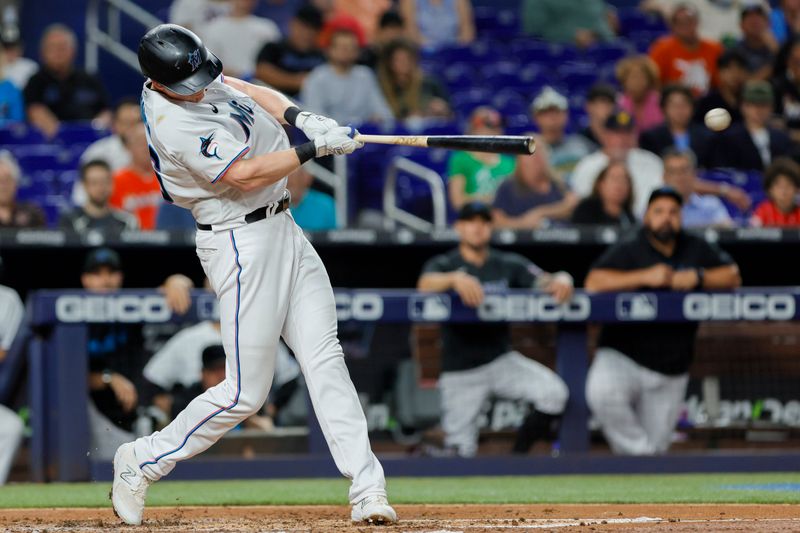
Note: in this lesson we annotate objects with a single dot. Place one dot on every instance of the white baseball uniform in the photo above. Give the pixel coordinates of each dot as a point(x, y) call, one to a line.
point(269, 280)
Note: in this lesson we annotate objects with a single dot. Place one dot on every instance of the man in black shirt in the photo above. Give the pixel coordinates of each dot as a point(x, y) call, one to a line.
point(60, 91)
point(638, 378)
point(96, 213)
point(285, 64)
point(477, 359)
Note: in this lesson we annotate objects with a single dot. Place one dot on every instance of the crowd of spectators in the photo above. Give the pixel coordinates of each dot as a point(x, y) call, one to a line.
point(366, 63)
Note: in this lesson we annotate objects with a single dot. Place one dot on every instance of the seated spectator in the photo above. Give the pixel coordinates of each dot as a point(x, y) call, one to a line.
point(16, 67)
point(477, 359)
point(475, 176)
point(367, 12)
point(195, 14)
point(637, 381)
point(753, 144)
point(96, 212)
point(618, 142)
point(311, 209)
point(111, 149)
point(534, 196)
point(285, 64)
point(437, 23)
point(732, 74)
point(342, 90)
point(579, 22)
point(238, 37)
point(410, 92)
point(757, 45)
point(680, 173)
point(390, 28)
point(549, 112)
point(11, 427)
point(638, 77)
point(719, 20)
point(787, 92)
point(782, 184)
point(600, 103)
point(11, 107)
point(683, 56)
point(611, 201)
point(677, 130)
point(136, 188)
point(60, 91)
point(15, 214)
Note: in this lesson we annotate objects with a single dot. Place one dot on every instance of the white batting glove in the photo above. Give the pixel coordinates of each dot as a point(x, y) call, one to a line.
point(337, 141)
point(314, 125)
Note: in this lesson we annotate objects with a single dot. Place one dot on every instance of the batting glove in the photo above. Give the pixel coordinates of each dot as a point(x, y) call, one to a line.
point(337, 141)
point(314, 125)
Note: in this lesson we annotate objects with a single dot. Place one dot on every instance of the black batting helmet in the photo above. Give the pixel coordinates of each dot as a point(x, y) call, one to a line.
point(177, 59)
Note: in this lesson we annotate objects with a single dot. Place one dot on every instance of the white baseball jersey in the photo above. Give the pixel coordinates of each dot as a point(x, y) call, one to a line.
point(192, 145)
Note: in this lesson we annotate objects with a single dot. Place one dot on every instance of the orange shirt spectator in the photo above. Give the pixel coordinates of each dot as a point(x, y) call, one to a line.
point(366, 12)
point(136, 188)
point(138, 194)
point(782, 183)
point(684, 57)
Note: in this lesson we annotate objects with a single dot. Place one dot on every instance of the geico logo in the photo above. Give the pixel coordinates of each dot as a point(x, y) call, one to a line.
point(112, 309)
point(522, 307)
point(361, 306)
point(739, 306)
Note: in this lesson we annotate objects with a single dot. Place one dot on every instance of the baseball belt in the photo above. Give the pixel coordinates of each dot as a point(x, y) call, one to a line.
point(269, 210)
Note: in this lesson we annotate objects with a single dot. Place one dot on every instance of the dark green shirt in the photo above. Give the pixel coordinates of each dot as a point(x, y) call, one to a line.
point(466, 346)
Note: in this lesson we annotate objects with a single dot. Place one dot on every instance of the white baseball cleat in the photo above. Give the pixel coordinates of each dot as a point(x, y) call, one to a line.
point(129, 489)
point(373, 510)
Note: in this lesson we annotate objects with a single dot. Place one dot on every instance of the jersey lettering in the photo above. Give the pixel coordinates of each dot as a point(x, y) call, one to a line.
point(244, 115)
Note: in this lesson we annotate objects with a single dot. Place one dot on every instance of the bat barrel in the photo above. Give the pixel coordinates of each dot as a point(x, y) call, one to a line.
point(507, 144)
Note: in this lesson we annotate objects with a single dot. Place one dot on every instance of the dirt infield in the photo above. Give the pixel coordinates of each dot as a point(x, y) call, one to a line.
point(433, 518)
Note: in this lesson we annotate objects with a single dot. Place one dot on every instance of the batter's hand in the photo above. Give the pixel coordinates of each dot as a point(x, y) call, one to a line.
point(314, 125)
point(338, 141)
point(469, 288)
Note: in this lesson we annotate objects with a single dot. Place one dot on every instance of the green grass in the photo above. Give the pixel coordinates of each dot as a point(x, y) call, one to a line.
point(684, 488)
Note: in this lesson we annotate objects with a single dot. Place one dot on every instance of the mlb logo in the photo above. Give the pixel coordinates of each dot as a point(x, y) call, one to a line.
point(639, 306)
point(429, 307)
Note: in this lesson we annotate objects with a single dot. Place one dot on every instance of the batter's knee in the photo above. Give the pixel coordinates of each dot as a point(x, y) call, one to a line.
point(246, 401)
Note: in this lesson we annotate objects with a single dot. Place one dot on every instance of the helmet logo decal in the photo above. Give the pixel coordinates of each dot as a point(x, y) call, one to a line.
point(194, 59)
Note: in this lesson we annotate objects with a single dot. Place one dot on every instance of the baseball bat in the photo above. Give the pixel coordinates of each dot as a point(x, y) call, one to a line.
point(500, 144)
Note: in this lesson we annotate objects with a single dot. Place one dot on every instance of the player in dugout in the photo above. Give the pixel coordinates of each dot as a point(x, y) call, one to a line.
point(637, 381)
point(477, 359)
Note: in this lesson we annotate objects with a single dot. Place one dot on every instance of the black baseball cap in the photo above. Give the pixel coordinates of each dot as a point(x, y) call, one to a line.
point(102, 257)
point(213, 357)
point(602, 90)
point(619, 120)
point(665, 192)
point(391, 19)
point(475, 209)
point(310, 16)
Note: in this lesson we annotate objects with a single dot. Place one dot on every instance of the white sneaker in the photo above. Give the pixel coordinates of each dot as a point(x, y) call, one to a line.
point(129, 489)
point(373, 510)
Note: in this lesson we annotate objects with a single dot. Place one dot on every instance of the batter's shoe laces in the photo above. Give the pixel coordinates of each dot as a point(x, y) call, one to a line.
point(375, 510)
point(129, 488)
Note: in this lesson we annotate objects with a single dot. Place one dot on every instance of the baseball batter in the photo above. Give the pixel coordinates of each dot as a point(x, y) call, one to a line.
point(219, 149)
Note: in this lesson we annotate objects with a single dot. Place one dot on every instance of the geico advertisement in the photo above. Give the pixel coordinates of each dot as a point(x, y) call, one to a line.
point(122, 308)
point(738, 306)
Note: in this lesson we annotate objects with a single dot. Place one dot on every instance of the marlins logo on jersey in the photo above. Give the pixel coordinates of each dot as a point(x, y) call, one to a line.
point(194, 59)
point(209, 147)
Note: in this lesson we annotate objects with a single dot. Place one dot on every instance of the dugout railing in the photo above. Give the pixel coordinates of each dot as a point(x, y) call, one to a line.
point(58, 375)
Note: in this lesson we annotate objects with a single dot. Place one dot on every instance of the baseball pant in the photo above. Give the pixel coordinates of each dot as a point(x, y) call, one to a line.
point(270, 283)
point(637, 407)
point(511, 376)
point(11, 430)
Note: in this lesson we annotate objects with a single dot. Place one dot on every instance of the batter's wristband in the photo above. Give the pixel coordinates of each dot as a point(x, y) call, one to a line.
point(306, 152)
point(290, 115)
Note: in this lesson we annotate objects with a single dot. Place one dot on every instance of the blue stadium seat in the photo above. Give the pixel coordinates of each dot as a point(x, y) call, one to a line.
point(604, 53)
point(20, 134)
point(465, 101)
point(79, 132)
point(413, 194)
point(496, 22)
point(633, 20)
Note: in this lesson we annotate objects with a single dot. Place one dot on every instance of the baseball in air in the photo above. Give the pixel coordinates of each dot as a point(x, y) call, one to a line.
point(717, 119)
